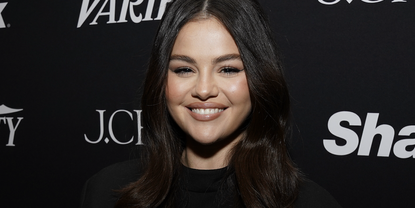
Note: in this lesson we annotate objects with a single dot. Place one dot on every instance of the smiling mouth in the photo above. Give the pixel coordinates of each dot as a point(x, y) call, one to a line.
point(207, 111)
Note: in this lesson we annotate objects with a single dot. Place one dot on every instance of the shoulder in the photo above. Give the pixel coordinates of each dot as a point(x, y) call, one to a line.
point(312, 195)
point(100, 189)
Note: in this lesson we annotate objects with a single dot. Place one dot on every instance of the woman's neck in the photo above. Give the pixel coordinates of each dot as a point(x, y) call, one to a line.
point(208, 156)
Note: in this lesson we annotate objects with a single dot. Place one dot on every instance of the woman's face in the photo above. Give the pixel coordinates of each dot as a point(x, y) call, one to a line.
point(207, 91)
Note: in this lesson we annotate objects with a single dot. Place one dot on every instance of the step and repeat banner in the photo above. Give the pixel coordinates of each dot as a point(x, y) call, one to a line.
point(71, 73)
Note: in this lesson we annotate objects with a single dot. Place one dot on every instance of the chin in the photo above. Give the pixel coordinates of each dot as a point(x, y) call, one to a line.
point(205, 140)
point(210, 140)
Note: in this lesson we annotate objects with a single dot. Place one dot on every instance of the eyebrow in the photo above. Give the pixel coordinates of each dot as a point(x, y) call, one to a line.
point(226, 57)
point(219, 59)
point(183, 58)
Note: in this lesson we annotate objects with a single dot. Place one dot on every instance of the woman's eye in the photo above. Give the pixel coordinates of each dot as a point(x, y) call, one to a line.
point(230, 70)
point(183, 70)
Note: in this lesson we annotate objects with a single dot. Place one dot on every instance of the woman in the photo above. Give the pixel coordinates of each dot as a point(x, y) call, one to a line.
point(215, 118)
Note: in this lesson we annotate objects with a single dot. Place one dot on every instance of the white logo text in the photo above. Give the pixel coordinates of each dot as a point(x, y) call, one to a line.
point(126, 7)
point(2, 6)
point(110, 127)
point(326, 2)
point(403, 148)
point(9, 121)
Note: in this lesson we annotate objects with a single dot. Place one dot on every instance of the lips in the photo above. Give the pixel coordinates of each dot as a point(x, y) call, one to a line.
point(205, 111)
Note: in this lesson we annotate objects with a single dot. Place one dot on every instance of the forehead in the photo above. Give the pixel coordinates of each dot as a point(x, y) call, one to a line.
point(207, 35)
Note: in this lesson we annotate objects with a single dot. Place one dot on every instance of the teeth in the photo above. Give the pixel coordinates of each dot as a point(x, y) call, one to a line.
point(206, 111)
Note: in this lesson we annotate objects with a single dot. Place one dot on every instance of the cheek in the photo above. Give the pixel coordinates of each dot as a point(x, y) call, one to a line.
point(170, 90)
point(175, 90)
point(239, 91)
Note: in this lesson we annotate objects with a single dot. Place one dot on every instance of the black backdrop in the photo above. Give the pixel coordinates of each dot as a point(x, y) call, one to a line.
point(60, 74)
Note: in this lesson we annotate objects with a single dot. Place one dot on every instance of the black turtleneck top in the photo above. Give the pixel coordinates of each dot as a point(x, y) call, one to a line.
point(198, 188)
point(203, 188)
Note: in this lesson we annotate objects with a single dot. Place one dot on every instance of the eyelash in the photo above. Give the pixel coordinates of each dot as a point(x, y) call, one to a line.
point(183, 70)
point(226, 70)
point(230, 70)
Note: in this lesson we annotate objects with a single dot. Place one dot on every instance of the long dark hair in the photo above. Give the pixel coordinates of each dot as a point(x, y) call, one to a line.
point(264, 175)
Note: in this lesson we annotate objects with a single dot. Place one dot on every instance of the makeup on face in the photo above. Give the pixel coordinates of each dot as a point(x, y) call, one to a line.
point(207, 91)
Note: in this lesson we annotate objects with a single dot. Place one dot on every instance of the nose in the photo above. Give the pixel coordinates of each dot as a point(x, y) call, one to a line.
point(206, 86)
